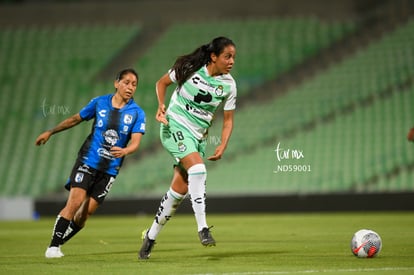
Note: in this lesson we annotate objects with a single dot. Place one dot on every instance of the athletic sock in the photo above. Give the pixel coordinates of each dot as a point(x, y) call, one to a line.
point(168, 205)
point(197, 175)
point(73, 228)
point(59, 229)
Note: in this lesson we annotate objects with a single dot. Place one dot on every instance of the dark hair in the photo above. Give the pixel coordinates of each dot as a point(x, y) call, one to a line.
point(121, 74)
point(186, 65)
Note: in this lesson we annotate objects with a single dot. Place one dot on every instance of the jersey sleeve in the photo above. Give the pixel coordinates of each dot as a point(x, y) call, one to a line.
point(171, 74)
point(88, 112)
point(230, 102)
point(139, 126)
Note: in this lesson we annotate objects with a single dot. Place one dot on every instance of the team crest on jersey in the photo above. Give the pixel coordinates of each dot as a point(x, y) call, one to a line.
point(111, 136)
point(79, 177)
point(128, 119)
point(182, 147)
point(219, 90)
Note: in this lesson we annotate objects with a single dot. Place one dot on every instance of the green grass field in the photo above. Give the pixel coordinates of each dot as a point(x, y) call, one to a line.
point(317, 243)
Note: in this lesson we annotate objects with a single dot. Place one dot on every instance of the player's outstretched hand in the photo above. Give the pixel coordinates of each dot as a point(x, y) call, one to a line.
point(43, 138)
point(160, 116)
point(410, 135)
point(217, 154)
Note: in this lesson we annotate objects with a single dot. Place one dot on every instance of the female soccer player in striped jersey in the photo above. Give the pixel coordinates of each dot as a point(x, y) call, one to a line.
point(119, 124)
point(203, 82)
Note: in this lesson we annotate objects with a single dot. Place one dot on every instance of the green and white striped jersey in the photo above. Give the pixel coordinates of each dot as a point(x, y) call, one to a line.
point(194, 103)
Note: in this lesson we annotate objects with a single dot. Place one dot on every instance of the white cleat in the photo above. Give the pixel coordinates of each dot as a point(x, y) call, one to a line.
point(53, 252)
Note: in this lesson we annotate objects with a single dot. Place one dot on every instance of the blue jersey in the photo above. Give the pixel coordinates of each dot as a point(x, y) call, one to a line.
point(111, 127)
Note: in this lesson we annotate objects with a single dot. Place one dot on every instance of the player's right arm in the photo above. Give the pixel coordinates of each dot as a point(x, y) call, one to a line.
point(161, 90)
point(66, 124)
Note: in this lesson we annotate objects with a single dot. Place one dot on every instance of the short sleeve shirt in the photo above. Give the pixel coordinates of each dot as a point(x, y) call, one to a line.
point(194, 103)
point(111, 127)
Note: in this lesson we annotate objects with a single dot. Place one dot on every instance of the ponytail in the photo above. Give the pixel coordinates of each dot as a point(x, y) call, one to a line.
point(186, 65)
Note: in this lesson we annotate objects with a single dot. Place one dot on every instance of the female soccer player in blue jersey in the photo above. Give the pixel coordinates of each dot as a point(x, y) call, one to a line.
point(118, 126)
point(203, 82)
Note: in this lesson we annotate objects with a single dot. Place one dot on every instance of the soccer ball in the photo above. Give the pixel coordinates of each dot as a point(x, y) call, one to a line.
point(366, 243)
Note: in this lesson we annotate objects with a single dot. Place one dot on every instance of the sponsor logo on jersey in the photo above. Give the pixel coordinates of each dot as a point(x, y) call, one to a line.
point(197, 80)
point(196, 111)
point(207, 87)
point(103, 153)
point(203, 85)
point(102, 113)
point(111, 136)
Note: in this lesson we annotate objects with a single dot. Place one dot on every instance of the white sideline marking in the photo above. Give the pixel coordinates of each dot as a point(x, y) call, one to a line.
point(312, 271)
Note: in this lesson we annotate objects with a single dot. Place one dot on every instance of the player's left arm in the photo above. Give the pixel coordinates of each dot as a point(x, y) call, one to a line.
point(132, 146)
point(225, 135)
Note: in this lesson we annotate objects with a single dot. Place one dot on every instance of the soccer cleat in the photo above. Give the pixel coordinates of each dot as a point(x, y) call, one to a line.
point(205, 237)
point(53, 252)
point(147, 245)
